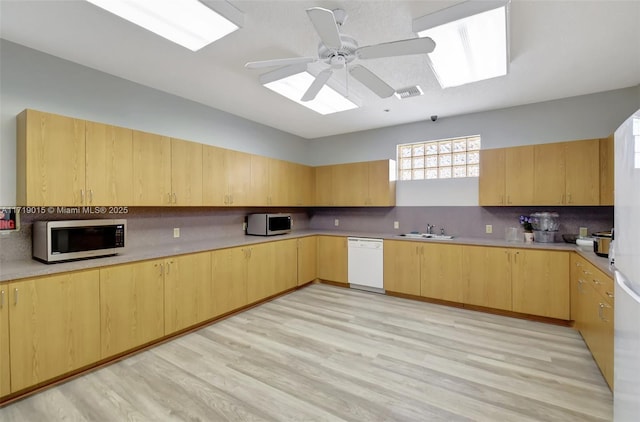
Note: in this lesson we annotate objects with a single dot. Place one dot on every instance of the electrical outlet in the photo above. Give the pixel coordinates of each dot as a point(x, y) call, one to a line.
point(396, 224)
point(336, 222)
point(583, 232)
point(488, 229)
point(176, 232)
point(244, 226)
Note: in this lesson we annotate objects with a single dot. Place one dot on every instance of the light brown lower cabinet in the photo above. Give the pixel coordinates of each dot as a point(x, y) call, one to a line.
point(487, 272)
point(5, 368)
point(271, 268)
point(332, 258)
point(307, 259)
point(229, 279)
point(54, 326)
point(534, 282)
point(540, 283)
point(592, 309)
point(131, 305)
point(188, 291)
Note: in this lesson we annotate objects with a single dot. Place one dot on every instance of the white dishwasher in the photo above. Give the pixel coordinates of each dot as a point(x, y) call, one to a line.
point(365, 264)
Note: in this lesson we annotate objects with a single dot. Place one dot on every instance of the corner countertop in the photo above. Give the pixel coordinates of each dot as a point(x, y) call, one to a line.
point(28, 268)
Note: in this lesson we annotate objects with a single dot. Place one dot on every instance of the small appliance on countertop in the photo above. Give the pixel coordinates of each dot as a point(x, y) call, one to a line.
point(602, 242)
point(268, 224)
point(66, 240)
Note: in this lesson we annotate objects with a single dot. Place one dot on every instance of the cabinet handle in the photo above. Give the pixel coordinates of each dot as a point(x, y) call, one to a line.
point(596, 281)
point(175, 198)
point(580, 286)
point(161, 269)
point(82, 196)
point(15, 296)
point(91, 196)
point(601, 307)
point(609, 294)
point(226, 199)
point(568, 198)
point(230, 199)
point(169, 197)
point(508, 199)
point(501, 199)
point(1, 299)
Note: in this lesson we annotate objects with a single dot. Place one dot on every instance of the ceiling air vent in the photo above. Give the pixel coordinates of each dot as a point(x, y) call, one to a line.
point(408, 92)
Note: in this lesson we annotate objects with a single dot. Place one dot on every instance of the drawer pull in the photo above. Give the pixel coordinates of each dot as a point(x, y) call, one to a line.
point(609, 294)
point(1, 299)
point(15, 296)
point(601, 307)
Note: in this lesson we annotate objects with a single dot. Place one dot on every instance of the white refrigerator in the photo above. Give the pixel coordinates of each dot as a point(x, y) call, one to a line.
point(626, 256)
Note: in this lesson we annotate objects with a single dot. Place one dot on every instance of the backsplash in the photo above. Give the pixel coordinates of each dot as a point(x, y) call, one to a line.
point(151, 226)
point(456, 221)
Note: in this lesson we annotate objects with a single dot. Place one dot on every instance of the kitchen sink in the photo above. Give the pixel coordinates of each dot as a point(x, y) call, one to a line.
point(426, 236)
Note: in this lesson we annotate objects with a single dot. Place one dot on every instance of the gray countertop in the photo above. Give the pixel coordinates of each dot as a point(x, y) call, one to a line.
point(13, 270)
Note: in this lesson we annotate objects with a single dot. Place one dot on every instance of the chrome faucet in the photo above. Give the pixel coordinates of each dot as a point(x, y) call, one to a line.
point(430, 228)
point(442, 231)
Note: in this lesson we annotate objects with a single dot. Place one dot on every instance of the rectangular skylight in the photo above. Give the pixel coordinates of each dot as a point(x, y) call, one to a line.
point(294, 86)
point(471, 41)
point(188, 23)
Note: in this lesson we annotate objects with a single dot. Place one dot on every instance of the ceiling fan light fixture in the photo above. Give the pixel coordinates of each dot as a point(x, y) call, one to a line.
point(471, 41)
point(293, 81)
point(188, 23)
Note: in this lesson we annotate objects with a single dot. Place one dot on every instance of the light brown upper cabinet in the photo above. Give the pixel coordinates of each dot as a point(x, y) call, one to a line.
point(109, 165)
point(226, 177)
point(186, 173)
point(369, 183)
point(567, 173)
point(50, 160)
point(151, 169)
point(606, 170)
point(506, 176)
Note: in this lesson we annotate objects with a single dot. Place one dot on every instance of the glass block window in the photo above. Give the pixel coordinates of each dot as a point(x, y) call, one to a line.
point(444, 159)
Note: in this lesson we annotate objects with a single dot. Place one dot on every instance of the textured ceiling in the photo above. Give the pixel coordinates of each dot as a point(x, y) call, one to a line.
point(557, 49)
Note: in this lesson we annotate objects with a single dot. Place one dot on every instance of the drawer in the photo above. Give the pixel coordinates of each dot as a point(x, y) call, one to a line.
point(599, 280)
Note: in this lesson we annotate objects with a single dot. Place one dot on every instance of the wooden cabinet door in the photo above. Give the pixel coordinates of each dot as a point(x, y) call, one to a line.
point(382, 192)
point(50, 160)
point(54, 326)
point(186, 173)
point(5, 368)
point(259, 193)
point(350, 184)
point(491, 182)
point(332, 258)
point(131, 306)
point(151, 169)
point(261, 281)
point(188, 291)
point(109, 165)
point(441, 272)
point(578, 294)
point(285, 265)
point(582, 172)
point(606, 171)
point(215, 189)
point(519, 175)
point(280, 183)
point(303, 184)
point(307, 259)
point(239, 171)
point(487, 273)
point(549, 176)
point(229, 278)
point(324, 186)
point(540, 283)
point(402, 266)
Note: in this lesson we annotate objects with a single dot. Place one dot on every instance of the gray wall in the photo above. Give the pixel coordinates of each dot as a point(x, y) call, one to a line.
point(31, 79)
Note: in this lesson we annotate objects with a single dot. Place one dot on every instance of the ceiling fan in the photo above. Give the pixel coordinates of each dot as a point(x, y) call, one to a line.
point(338, 50)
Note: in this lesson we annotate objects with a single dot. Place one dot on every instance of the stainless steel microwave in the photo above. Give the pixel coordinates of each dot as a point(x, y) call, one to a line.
point(55, 241)
point(268, 224)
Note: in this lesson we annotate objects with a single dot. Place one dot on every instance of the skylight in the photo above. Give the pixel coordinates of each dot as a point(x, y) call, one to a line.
point(292, 82)
point(188, 23)
point(471, 41)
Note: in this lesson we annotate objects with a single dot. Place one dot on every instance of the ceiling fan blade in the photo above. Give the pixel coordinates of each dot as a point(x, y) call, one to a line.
point(317, 85)
point(397, 48)
point(278, 62)
point(325, 23)
point(371, 81)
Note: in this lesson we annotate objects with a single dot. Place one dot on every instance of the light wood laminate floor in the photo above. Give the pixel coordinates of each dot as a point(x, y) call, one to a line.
point(325, 353)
